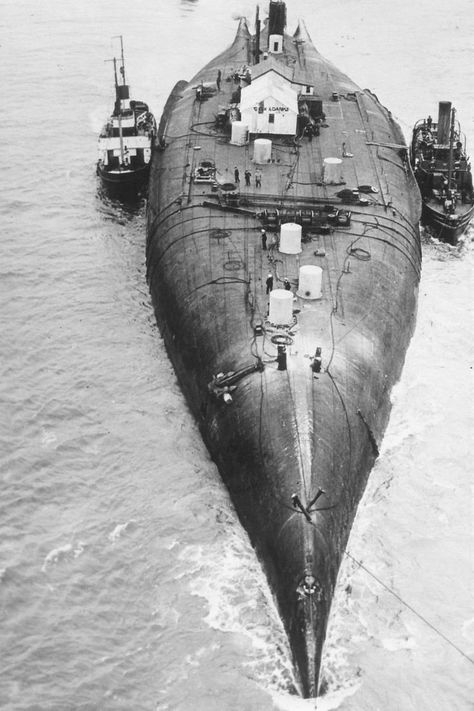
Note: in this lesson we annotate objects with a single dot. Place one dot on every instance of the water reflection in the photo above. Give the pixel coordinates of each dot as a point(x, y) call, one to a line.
point(188, 5)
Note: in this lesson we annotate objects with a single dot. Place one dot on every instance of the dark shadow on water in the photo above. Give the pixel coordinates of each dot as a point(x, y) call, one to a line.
point(188, 6)
point(120, 208)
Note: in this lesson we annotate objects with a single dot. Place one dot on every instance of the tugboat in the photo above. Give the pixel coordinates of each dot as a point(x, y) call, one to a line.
point(283, 260)
point(126, 140)
point(443, 173)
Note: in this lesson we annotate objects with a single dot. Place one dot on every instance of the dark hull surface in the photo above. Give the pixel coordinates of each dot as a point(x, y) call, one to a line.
point(289, 430)
point(124, 183)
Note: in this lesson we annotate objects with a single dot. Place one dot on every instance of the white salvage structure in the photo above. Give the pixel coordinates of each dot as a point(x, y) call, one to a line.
point(269, 105)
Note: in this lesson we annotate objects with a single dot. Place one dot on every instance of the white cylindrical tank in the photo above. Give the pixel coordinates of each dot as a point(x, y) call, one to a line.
point(275, 44)
point(290, 238)
point(262, 150)
point(240, 132)
point(332, 170)
point(310, 281)
point(281, 307)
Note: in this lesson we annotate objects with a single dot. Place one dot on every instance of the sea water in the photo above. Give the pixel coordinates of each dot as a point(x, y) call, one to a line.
point(126, 581)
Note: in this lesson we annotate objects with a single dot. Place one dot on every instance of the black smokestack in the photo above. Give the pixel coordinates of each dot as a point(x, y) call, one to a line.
point(444, 122)
point(277, 17)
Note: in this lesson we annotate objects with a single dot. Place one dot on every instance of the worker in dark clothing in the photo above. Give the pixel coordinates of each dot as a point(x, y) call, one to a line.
point(264, 239)
point(286, 284)
point(269, 282)
point(247, 175)
point(218, 80)
point(236, 175)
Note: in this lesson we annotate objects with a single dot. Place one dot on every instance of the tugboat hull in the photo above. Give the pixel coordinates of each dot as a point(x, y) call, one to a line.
point(123, 184)
point(124, 177)
point(292, 406)
point(443, 172)
point(444, 227)
point(126, 142)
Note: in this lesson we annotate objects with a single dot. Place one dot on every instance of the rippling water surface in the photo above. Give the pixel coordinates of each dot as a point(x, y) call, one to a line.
point(126, 581)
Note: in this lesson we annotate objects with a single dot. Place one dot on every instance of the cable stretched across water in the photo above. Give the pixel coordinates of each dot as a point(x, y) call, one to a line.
point(415, 612)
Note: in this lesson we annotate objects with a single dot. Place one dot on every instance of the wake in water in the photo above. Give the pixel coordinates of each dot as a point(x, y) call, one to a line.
point(379, 620)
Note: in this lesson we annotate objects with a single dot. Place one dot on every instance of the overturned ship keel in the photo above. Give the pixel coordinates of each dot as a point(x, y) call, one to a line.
point(283, 259)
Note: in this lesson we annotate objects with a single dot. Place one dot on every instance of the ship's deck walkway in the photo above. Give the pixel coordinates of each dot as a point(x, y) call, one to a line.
point(295, 169)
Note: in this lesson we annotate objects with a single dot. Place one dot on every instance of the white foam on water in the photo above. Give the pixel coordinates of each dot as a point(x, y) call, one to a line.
point(394, 644)
point(68, 550)
point(48, 439)
point(194, 660)
point(229, 577)
point(168, 542)
point(403, 429)
point(328, 702)
point(119, 529)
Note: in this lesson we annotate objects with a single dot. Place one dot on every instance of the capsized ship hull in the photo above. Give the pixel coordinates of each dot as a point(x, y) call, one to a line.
point(288, 405)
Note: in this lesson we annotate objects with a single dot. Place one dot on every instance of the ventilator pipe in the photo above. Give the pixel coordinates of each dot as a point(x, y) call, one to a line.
point(281, 358)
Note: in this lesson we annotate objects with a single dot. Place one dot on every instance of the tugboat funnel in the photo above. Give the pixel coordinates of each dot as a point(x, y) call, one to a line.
point(444, 122)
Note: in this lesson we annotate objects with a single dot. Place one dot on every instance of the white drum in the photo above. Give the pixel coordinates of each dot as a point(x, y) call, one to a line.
point(240, 132)
point(290, 238)
point(310, 282)
point(281, 307)
point(332, 170)
point(262, 150)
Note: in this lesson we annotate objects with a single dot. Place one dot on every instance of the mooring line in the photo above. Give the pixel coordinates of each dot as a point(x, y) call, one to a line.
point(420, 616)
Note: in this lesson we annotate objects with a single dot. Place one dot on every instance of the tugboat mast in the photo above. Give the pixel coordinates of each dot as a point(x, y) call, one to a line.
point(118, 97)
point(451, 147)
point(122, 68)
